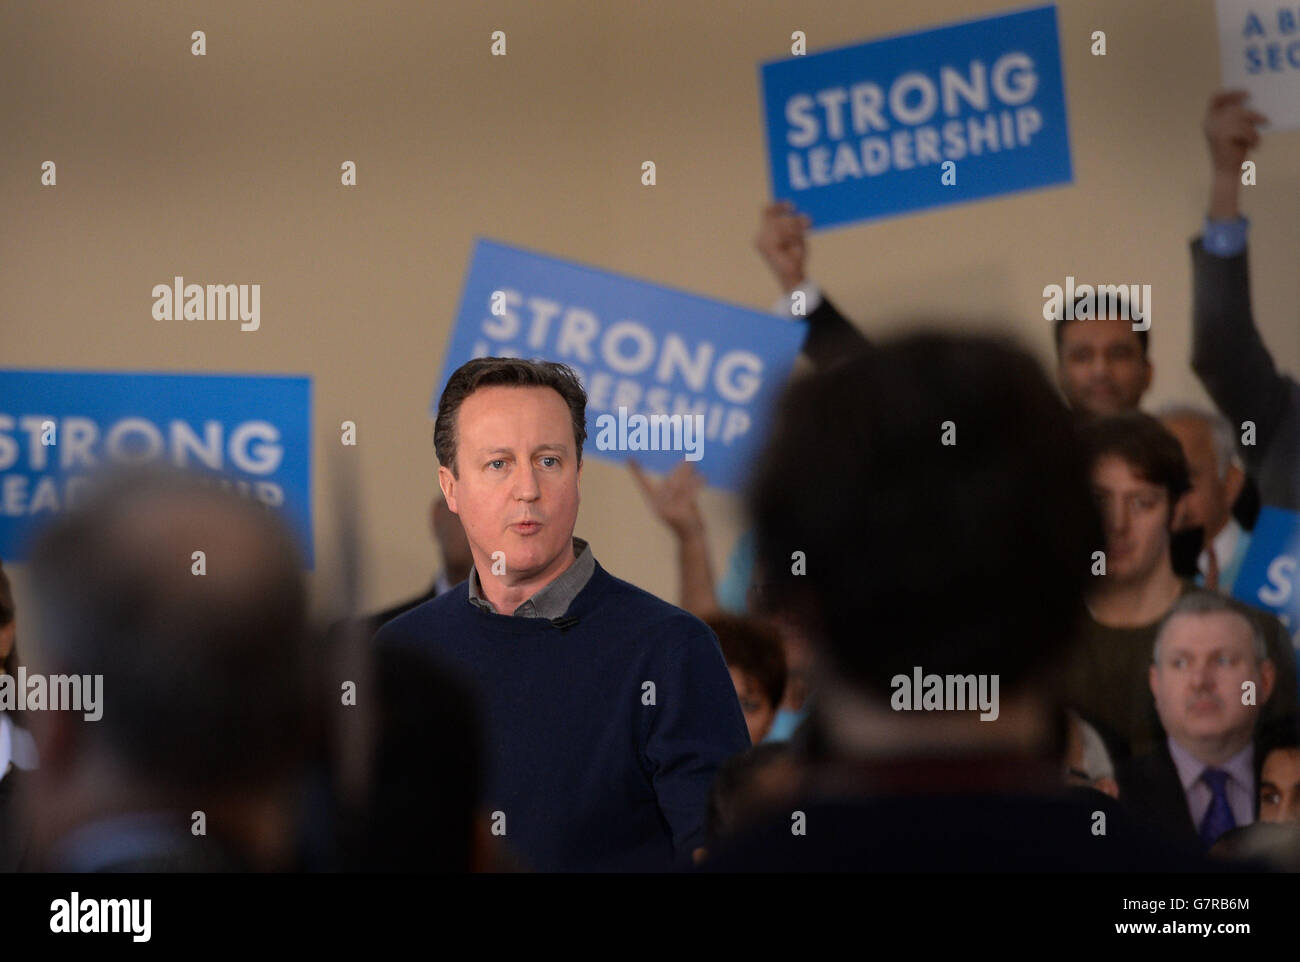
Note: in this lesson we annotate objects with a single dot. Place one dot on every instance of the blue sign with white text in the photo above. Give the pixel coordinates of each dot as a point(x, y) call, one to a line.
point(669, 376)
point(919, 120)
point(1270, 572)
point(253, 431)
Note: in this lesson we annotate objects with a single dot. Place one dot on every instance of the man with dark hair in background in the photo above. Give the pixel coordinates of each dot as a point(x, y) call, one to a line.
point(993, 529)
point(1103, 365)
point(1279, 770)
point(195, 763)
point(607, 711)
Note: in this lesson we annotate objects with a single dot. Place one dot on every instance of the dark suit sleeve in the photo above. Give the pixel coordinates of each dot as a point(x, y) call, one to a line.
point(1150, 790)
point(697, 724)
point(831, 336)
point(1227, 353)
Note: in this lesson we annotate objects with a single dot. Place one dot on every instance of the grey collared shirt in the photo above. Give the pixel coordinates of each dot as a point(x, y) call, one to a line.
point(553, 600)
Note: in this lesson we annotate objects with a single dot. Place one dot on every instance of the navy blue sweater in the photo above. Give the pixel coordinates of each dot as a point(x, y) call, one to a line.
point(589, 774)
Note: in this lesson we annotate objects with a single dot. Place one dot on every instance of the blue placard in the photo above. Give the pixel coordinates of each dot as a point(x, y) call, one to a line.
point(251, 429)
point(866, 131)
point(645, 354)
point(1270, 572)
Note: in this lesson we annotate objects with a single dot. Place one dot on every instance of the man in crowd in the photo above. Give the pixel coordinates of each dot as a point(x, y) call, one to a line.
point(607, 711)
point(1228, 353)
point(1216, 480)
point(1210, 675)
point(1279, 772)
point(1102, 367)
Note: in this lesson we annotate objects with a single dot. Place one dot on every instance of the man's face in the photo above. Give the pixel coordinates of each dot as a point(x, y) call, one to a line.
point(1135, 513)
point(1209, 503)
point(518, 486)
point(1279, 786)
point(758, 708)
point(1197, 681)
point(1100, 366)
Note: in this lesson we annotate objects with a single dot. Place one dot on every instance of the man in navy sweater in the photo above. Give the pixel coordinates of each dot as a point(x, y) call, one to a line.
point(607, 711)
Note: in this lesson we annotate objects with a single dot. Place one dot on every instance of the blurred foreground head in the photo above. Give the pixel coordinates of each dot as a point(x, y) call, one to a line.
point(202, 657)
point(940, 499)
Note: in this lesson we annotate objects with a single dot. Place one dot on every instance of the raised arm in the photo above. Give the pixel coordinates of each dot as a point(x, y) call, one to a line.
point(1227, 353)
point(674, 501)
point(782, 241)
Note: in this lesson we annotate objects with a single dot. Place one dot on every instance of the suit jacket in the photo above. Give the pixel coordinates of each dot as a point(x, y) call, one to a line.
point(831, 336)
point(1150, 788)
point(388, 614)
point(370, 624)
point(1237, 370)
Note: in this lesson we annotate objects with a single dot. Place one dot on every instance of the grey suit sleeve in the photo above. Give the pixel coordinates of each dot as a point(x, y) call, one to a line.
point(1228, 355)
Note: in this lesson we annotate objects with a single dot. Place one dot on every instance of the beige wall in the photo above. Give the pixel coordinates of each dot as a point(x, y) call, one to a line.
point(226, 168)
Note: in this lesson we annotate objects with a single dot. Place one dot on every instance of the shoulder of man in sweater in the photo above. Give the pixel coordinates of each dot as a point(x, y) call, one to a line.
point(613, 596)
point(642, 605)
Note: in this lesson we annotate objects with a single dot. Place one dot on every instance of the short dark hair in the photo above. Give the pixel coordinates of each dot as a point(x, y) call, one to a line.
point(504, 372)
point(1058, 325)
point(971, 557)
point(204, 676)
point(751, 646)
point(1279, 733)
point(1148, 447)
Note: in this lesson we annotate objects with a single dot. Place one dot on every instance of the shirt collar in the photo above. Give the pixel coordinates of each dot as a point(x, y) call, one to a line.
point(1225, 547)
point(554, 599)
point(1240, 767)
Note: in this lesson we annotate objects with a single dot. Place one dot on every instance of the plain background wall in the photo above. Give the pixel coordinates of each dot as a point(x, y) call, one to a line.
point(225, 168)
